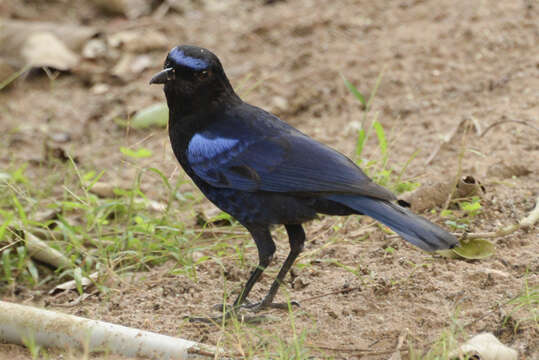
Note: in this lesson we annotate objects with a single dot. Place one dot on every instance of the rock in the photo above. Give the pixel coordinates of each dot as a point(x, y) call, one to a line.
point(484, 346)
point(94, 48)
point(46, 50)
point(131, 9)
point(504, 171)
point(138, 41)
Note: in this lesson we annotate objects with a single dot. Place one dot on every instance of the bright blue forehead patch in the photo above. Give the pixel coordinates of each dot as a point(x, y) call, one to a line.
point(181, 59)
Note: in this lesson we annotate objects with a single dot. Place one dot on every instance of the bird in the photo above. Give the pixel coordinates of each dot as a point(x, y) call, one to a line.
point(264, 172)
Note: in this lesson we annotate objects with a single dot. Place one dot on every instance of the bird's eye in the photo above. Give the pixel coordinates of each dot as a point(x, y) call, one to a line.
point(203, 74)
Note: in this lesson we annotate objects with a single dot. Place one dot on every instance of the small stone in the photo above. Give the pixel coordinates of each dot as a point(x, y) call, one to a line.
point(280, 103)
point(332, 314)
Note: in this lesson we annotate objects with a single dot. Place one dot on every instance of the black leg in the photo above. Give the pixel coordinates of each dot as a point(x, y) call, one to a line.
point(296, 236)
point(266, 249)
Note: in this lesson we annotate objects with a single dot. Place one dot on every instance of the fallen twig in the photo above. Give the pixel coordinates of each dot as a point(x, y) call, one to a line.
point(524, 223)
point(340, 291)
point(75, 302)
point(353, 350)
point(451, 135)
point(40, 250)
point(491, 126)
point(397, 353)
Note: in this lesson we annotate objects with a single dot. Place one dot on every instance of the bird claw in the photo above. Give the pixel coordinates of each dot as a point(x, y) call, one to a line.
point(225, 307)
point(256, 307)
point(215, 320)
point(229, 311)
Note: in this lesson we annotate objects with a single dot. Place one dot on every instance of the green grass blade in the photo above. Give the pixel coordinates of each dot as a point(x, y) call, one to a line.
point(162, 176)
point(361, 137)
point(20, 209)
point(14, 76)
point(355, 91)
point(412, 157)
point(7, 220)
point(375, 90)
point(6, 263)
point(382, 141)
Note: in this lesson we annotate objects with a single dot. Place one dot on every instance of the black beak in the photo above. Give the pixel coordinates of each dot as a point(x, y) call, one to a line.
point(162, 76)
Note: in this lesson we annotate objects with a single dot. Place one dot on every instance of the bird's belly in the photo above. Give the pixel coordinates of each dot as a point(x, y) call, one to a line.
point(260, 207)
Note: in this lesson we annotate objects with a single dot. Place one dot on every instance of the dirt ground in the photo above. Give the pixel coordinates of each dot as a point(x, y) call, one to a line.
point(444, 62)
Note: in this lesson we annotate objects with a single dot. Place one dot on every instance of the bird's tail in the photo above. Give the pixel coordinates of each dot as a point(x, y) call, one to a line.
point(413, 228)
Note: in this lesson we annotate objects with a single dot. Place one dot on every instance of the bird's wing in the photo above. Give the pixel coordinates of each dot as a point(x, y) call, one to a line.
point(286, 162)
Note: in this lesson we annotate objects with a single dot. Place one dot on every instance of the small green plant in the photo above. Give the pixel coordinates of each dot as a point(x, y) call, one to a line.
point(30, 343)
point(378, 169)
point(528, 302)
point(123, 232)
point(472, 207)
point(444, 345)
point(390, 250)
point(356, 271)
point(137, 154)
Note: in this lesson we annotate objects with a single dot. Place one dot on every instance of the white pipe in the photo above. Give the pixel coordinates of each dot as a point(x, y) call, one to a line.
point(49, 328)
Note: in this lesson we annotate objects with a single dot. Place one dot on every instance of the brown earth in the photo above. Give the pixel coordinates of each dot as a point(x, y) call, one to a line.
point(443, 62)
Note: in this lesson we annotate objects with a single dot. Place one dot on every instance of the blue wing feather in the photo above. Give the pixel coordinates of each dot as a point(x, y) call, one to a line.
point(272, 156)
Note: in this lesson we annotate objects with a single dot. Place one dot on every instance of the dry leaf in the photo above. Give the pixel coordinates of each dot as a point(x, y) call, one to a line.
point(474, 249)
point(211, 215)
point(72, 284)
point(46, 215)
point(104, 190)
point(152, 204)
point(154, 115)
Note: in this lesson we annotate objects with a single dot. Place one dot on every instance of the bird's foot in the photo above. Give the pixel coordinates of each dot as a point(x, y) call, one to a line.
point(231, 313)
point(262, 305)
point(225, 307)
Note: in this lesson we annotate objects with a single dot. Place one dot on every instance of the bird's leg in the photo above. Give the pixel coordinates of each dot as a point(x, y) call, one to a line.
point(296, 236)
point(266, 249)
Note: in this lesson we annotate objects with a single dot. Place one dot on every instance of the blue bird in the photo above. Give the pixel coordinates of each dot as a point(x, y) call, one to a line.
point(264, 172)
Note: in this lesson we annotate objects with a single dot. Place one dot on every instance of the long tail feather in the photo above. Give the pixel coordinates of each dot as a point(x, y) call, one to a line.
point(413, 228)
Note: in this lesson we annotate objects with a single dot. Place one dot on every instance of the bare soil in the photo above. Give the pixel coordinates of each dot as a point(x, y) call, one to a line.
point(443, 62)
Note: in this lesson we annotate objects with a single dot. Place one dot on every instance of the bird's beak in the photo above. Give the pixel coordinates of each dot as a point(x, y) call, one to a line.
point(162, 76)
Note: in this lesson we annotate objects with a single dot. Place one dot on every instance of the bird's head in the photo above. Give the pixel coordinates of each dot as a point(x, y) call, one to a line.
point(193, 76)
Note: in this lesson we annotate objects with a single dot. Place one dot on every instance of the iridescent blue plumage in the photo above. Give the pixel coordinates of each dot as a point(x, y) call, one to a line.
point(205, 146)
point(180, 58)
point(274, 157)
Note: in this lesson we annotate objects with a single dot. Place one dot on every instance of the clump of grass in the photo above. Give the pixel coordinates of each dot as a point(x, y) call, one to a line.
point(447, 341)
point(380, 170)
point(121, 233)
point(528, 303)
point(251, 340)
point(469, 210)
